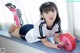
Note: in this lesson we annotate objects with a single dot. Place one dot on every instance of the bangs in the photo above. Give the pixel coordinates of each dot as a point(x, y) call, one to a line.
point(49, 6)
point(48, 9)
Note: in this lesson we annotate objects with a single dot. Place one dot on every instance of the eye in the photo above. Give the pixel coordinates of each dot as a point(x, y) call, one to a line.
point(47, 12)
point(53, 10)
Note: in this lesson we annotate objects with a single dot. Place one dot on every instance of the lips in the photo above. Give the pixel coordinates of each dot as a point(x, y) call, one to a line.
point(51, 18)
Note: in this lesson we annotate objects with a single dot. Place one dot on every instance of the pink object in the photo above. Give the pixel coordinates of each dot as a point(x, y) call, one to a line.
point(15, 16)
point(17, 20)
point(70, 43)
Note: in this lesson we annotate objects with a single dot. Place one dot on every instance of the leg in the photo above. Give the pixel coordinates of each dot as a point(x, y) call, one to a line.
point(15, 33)
point(12, 28)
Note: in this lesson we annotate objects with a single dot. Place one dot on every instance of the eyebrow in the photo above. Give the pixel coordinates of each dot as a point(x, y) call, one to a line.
point(50, 9)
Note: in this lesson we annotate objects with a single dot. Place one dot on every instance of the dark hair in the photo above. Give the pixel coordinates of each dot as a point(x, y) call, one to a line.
point(8, 4)
point(48, 6)
point(11, 5)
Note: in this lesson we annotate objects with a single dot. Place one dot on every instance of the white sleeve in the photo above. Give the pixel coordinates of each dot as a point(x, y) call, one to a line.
point(42, 32)
point(57, 28)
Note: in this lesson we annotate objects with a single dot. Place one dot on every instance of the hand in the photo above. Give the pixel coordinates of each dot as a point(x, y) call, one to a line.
point(60, 45)
point(55, 46)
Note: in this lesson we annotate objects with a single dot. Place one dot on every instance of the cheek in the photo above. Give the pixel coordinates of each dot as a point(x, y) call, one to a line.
point(55, 15)
point(55, 18)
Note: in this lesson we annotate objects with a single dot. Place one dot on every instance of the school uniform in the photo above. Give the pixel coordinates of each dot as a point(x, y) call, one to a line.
point(33, 33)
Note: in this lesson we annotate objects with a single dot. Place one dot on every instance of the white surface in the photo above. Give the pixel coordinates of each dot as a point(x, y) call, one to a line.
point(4, 33)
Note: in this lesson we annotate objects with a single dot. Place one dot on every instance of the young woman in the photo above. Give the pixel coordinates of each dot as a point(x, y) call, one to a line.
point(48, 26)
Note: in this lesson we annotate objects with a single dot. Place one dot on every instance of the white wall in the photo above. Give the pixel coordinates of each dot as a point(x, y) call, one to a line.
point(77, 17)
point(70, 17)
point(74, 17)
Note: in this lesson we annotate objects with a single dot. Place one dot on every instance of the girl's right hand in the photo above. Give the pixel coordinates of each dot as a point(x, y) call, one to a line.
point(60, 43)
point(56, 46)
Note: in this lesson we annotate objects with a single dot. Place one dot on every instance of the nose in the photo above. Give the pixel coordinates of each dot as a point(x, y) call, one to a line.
point(50, 13)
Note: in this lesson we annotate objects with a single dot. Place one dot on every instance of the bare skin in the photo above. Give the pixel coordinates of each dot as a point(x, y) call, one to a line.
point(14, 31)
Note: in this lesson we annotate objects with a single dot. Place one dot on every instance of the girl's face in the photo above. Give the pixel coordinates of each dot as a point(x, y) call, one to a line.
point(49, 15)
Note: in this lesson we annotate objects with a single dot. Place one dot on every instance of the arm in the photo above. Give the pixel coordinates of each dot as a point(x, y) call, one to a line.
point(49, 44)
point(57, 37)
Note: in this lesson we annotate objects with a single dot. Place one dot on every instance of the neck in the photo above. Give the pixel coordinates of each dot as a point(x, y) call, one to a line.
point(49, 24)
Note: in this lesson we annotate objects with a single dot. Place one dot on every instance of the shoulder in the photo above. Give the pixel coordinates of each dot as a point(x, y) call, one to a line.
point(58, 27)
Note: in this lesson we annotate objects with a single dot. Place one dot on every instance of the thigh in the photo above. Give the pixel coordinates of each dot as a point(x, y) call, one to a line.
point(12, 28)
point(15, 33)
